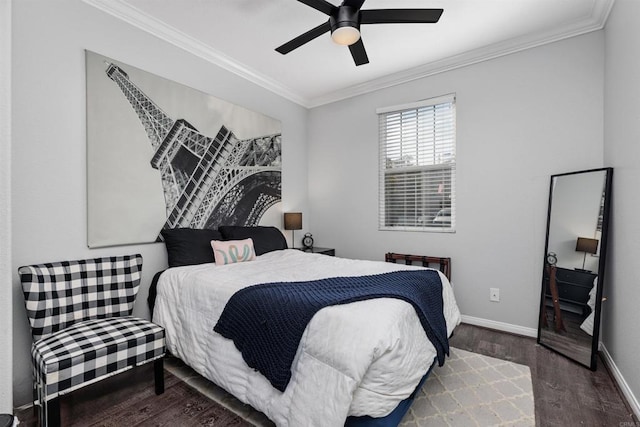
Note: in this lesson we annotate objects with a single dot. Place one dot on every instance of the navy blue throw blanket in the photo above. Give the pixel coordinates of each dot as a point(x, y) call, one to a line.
point(266, 322)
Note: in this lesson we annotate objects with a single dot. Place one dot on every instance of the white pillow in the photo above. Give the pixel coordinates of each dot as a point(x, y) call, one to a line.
point(232, 251)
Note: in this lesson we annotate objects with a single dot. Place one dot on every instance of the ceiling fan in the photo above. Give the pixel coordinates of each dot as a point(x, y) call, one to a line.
point(345, 20)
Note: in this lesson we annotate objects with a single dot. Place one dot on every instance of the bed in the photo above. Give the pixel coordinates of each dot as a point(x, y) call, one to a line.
point(355, 361)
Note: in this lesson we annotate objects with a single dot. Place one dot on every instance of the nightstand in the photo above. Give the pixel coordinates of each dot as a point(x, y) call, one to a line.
point(318, 250)
point(573, 289)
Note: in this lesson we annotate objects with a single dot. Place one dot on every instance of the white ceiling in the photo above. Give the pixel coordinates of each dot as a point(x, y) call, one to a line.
point(241, 35)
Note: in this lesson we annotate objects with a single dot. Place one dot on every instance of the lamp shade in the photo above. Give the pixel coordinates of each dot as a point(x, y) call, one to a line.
point(587, 245)
point(293, 221)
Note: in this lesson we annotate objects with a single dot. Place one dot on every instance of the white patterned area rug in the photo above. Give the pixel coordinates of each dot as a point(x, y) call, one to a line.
point(474, 390)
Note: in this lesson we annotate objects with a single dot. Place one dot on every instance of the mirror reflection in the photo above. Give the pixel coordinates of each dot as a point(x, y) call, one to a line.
point(574, 264)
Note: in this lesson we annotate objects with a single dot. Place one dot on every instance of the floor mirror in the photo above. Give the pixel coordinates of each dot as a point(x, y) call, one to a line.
point(574, 263)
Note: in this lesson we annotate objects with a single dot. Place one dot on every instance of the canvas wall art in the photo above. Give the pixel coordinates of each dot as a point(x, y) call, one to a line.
point(163, 155)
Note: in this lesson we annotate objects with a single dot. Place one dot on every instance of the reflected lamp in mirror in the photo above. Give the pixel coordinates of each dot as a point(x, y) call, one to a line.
point(588, 246)
point(293, 221)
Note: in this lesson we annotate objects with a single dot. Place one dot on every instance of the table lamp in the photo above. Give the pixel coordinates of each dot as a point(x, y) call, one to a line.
point(588, 246)
point(293, 221)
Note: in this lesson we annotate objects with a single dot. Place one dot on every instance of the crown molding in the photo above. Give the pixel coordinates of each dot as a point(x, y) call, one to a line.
point(135, 17)
point(138, 19)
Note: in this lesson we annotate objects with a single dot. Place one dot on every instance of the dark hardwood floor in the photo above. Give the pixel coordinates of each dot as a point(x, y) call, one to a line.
point(129, 399)
point(566, 393)
point(571, 341)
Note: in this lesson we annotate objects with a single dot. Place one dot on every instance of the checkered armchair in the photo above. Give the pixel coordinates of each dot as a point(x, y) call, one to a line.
point(83, 331)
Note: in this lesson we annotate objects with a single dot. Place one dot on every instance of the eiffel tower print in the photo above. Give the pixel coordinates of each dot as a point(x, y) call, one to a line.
point(207, 180)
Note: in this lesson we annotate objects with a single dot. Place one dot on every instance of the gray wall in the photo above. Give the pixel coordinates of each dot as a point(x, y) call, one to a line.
point(6, 309)
point(49, 147)
point(621, 313)
point(520, 118)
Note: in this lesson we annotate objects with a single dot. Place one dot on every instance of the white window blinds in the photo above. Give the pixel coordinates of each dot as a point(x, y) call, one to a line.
point(418, 166)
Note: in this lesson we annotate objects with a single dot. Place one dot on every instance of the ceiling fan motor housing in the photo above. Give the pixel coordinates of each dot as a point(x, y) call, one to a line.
point(345, 16)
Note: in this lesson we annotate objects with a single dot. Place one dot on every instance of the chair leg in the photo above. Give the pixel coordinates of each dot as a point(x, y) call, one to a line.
point(36, 400)
point(158, 368)
point(52, 412)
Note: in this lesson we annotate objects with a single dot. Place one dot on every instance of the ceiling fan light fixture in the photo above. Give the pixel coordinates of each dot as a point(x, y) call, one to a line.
point(345, 36)
point(345, 20)
point(345, 25)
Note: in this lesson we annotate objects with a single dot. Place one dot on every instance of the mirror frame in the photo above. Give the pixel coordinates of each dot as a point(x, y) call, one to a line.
point(601, 265)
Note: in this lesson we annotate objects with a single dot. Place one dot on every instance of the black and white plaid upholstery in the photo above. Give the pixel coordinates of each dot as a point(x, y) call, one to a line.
point(59, 294)
point(62, 362)
point(83, 331)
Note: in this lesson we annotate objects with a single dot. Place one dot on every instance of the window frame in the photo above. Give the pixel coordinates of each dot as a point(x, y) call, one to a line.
point(447, 166)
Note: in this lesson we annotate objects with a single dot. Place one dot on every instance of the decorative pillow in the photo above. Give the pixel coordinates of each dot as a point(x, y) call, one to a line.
point(232, 251)
point(189, 246)
point(265, 239)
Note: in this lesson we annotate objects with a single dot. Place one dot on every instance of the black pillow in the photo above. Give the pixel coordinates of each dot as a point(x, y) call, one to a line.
point(189, 246)
point(265, 239)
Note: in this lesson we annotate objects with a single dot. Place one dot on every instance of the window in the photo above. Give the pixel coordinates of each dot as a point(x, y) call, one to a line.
point(418, 166)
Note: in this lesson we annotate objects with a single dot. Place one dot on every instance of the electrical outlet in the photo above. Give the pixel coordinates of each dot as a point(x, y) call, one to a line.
point(494, 294)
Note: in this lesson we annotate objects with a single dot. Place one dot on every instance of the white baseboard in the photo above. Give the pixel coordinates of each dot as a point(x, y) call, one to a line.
point(619, 379)
point(23, 407)
point(500, 326)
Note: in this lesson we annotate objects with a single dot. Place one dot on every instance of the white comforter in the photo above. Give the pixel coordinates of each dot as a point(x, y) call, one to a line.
point(357, 359)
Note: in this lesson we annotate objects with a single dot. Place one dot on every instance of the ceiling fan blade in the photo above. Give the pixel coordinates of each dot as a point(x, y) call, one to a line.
point(321, 5)
point(357, 4)
point(358, 53)
point(304, 38)
point(400, 16)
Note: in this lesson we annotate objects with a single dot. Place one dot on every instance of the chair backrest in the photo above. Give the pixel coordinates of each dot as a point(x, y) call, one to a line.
point(59, 294)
